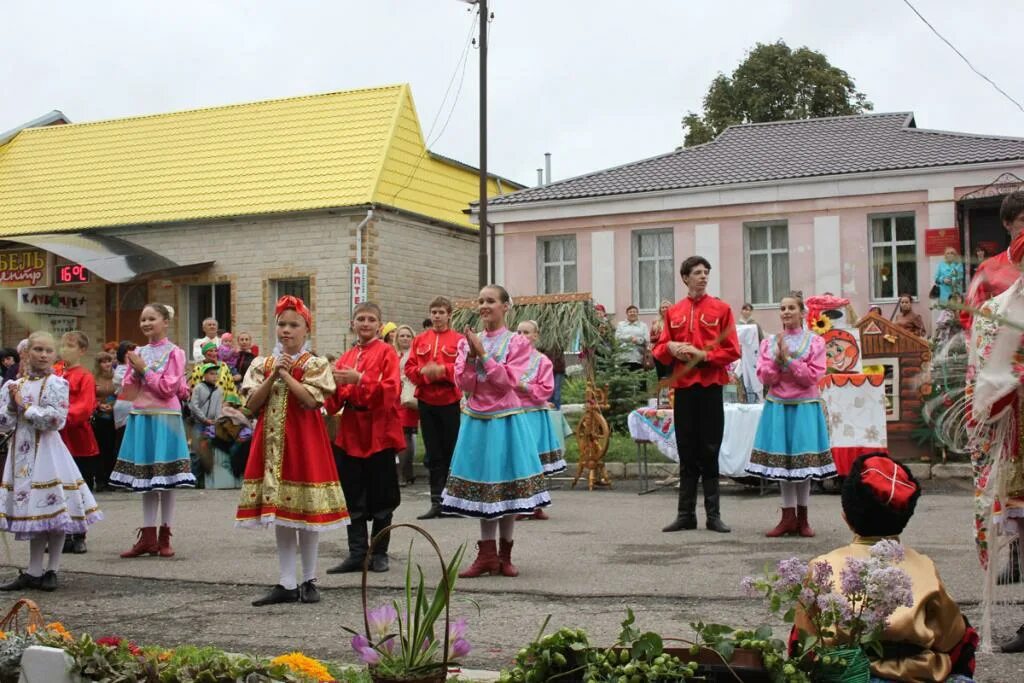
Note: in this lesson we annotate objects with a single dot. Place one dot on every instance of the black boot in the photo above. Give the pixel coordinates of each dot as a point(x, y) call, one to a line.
point(1011, 572)
point(379, 557)
point(357, 544)
point(277, 595)
point(712, 506)
point(22, 581)
point(433, 513)
point(1015, 645)
point(686, 518)
point(78, 544)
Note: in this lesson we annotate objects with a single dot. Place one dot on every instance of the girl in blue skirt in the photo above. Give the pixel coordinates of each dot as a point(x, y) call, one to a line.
point(496, 471)
point(792, 444)
point(154, 458)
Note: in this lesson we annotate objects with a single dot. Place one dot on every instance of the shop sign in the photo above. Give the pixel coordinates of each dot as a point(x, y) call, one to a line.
point(51, 302)
point(25, 268)
point(62, 324)
point(358, 284)
point(937, 240)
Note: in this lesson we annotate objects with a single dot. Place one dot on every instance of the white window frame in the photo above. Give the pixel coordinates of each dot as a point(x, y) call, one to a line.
point(894, 363)
point(659, 295)
point(894, 244)
point(774, 297)
point(543, 265)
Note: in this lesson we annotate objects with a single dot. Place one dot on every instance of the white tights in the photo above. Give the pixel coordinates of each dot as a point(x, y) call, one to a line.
point(489, 528)
point(151, 501)
point(307, 543)
point(795, 493)
point(37, 547)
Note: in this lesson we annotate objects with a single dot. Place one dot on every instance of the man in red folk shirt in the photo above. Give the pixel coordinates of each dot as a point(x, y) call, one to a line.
point(698, 341)
point(431, 367)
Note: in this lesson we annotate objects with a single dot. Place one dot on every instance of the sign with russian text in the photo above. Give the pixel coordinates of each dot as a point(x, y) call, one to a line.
point(937, 240)
point(51, 302)
point(62, 324)
point(25, 268)
point(358, 284)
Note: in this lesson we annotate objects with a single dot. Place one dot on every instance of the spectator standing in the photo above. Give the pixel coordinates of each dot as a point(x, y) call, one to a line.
point(747, 318)
point(246, 352)
point(9, 363)
point(632, 335)
point(210, 328)
point(949, 276)
point(103, 418)
point(406, 408)
point(908, 319)
point(660, 368)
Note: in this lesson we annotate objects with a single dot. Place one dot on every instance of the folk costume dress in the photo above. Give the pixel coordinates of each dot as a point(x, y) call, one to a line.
point(792, 438)
point(42, 489)
point(154, 452)
point(535, 388)
point(290, 479)
point(496, 469)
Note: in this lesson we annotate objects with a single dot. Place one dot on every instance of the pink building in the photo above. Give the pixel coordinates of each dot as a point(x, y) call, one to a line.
point(841, 205)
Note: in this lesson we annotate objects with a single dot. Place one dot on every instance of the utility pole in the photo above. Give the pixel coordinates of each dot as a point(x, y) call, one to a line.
point(483, 144)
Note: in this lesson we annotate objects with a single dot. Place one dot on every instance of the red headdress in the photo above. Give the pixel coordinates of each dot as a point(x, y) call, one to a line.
point(293, 303)
point(823, 302)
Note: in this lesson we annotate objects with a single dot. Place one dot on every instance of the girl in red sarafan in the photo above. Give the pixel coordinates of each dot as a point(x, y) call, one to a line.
point(77, 433)
point(290, 479)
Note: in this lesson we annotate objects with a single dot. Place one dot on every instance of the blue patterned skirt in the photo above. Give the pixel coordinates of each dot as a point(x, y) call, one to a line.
point(549, 446)
point(154, 453)
point(496, 470)
point(792, 442)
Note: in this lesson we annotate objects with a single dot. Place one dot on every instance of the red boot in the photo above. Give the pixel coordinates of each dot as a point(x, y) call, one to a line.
point(146, 545)
point(505, 558)
point(165, 542)
point(540, 514)
point(486, 561)
point(787, 525)
point(803, 527)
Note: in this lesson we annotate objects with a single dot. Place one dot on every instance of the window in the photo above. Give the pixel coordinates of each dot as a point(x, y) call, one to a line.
point(556, 265)
point(653, 268)
point(890, 386)
point(766, 248)
point(209, 301)
point(893, 256)
point(294, 287)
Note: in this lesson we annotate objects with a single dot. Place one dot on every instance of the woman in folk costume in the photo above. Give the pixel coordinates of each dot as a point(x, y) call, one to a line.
point(995, 374)
point(43, 497)
point(369, 437)
point(154, 458)
point(791, 445)
point(535, 388)
point(290, 481)
point(496, 471)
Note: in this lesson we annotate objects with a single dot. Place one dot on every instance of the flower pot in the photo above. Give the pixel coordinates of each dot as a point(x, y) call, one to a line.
point(437, 676)
point(857, 669)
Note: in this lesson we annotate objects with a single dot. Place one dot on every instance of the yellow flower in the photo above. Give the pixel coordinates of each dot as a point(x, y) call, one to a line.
point(300, 663)
point(3, 636)
point(58, 629)
point(164, 656)
point(821, 324)
point(874, 370)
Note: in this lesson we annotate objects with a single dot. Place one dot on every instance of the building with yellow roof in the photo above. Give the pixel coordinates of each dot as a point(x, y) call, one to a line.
point(220, 210)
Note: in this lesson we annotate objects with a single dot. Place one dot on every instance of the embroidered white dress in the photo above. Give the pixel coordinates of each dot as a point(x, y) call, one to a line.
point(42, 489)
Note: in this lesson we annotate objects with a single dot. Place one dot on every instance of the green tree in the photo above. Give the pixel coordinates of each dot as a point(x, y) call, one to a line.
point(774, 83)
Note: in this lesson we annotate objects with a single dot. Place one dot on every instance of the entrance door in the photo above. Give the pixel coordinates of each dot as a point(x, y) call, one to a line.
point(124, 306)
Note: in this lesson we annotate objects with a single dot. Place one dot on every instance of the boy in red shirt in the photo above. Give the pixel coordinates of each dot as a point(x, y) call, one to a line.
point(431, 367)
point(77, 433)
point(698, 341)
point(369, 437)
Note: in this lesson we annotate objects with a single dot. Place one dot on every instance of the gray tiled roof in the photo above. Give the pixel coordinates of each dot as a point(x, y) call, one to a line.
point(760, 152)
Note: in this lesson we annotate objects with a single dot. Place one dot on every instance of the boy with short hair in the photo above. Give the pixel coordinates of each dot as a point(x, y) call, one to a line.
point(205, 406)
point(77, 433)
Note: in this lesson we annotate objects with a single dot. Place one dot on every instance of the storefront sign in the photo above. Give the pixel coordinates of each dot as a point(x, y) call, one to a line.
point(937, 240)
point(62, 324)
point(358, 284)
point(51, 302)
point(24, 268)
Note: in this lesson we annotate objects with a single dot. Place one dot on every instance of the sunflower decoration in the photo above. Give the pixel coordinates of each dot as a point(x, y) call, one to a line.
point(821, 324)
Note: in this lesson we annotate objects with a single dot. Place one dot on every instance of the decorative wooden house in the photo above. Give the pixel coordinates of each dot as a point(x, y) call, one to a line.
point(906, 359)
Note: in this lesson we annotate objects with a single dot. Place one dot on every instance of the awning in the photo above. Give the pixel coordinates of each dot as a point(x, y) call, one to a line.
point(111, 258)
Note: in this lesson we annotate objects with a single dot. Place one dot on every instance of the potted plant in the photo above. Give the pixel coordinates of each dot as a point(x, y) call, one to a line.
point(841, 624)
point(399, 642)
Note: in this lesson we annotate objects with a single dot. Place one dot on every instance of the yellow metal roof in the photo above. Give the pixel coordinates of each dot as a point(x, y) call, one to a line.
point(321, 151)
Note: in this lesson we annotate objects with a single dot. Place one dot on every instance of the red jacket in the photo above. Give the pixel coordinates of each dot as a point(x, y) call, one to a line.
point(431, 346)
point(77, 432)
point(993, 277)
point(707, 323)
point(370, 422)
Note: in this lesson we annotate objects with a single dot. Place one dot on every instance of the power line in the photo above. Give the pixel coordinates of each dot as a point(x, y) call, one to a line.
point(961, 55)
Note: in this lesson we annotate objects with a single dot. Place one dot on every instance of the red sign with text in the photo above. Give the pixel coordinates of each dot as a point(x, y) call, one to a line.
point(937, 240)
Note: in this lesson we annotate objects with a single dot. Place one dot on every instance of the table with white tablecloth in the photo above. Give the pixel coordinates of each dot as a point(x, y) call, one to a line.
point(650, 425)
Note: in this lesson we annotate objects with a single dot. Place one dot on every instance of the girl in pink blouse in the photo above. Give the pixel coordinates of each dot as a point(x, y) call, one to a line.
point(154, 458)
point(792, 444)
point(496, 471)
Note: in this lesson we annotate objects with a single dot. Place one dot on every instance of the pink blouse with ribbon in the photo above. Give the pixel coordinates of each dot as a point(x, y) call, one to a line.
point(798, 378)
point(538, 382)
point(160, 387)
point(490, 382)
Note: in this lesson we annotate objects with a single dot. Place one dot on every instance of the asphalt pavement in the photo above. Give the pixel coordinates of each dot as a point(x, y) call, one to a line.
point(601, 552)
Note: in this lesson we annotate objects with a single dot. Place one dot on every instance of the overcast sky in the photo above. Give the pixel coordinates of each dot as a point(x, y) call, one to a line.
point(595, 82)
